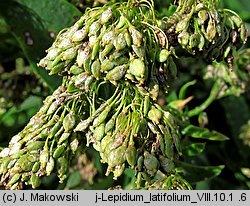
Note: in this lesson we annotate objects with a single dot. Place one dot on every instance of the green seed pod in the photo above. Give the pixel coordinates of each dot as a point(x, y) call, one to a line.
point(109, 125)
point(237, 20)
point(118, 171)
point(80, 78)
point(82, 57)
point(201, 42)
point(75, 70)
point(106, 16)
point(150, 162)
point(108, 37)
point(53, 107)
point(140, 163)
point(128, 38)
point(26, 162)
point(63, 137)
point(69, 121)
point(62, 166)
point(74, 143)
point(203, 15)
point(163, 55)
point(146, 105)
point(211, 30)
point(53, 53)
point(136, 36)
point(194, 40)
point(64, 44)
point(107, 65)
point(117, 156)
point(183, 38)
point(17, 154)
point(13, 180)
point(88, 82)
point(57, 68)
point(44, 158)
point(99, 132)
point(79, 35)
point(139, 51)
point(137, 68)
point(94, 28)
point(50, 166)
point(155, 115)
point(116, 73)
point(243, 33)
point(107, 49)
point(83, 125)
point(55, 129)
point(120, 42)
point(153, 128)
point(36, 167)
point(121, 23)
point(166, 164)
point(131, 154)
point(4, 165)
point(95, 50)
point(182, 25)
point(37, 145)
point(35, 181)
point(59, 150)
point(96, 69)
point(69, 54)
point(169, 150)
point(25, 177)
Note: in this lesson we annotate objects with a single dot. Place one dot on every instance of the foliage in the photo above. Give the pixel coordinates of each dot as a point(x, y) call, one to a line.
point(205, 109)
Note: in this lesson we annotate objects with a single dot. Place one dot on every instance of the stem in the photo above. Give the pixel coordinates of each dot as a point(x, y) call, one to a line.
point(213, 96)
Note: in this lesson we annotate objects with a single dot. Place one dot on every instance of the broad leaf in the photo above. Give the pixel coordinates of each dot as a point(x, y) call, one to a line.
point(203, 133)
point(195, 174)
point(194, 149)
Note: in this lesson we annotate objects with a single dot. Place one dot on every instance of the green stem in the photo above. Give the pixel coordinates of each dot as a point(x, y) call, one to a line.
point(213, 96)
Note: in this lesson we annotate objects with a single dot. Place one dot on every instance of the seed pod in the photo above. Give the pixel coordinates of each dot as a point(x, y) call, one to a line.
point(183, 38)
point(88, 82)
point(109, 125)
point(75, 70)
point(53, 53)
point(201, 42)
point(4, 165)
point(177, 142)
point(64, 44)
point(166, 164)
point(146, 105)
point(140, 163)
point(120, 61)
point(137, 68)
point(59, 150)
point(182, 25)
point(57, 68)
point(37, 145)
point(26, 162)
point(36, 167)
point(163, 55)
point(107, 65)
point(136, 36)
point(82, 57)
point(108, 37)
point(237, 20)
point(79, 35)
point(194, 40)
point(62, 166)
point(118, 171)
point(106, 15)
point(131, 154)
point(121, 23)
point(96, 69)
point(99, 132)
point(55, 129)
point(35, 181)
point(63, 138)
point(44, 158)
point(50, 166)
point(120, 42)
point(243, 33)
point(107, 50)
point(13, 180)
point(169, 150)
point(95, 50)
point(211, 30)
point(150, 161)
point(203, 15)
point(17, 155)
point(117, 156)
point(53, 107)
point(128, 38)
point(139, 51)
point(74, 143)
point(116, 73)
point(94, 28)
point(83, 125)
point(69, 54)
point(69, 121)
point(155, 115)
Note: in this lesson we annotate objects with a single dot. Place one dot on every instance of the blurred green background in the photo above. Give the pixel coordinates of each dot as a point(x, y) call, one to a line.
point(28, 28)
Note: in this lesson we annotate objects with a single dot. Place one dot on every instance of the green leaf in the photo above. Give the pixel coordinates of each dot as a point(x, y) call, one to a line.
point(195, 174)
point(34, 24)
point(194, 149)
point(74, 180)
point(203, 133)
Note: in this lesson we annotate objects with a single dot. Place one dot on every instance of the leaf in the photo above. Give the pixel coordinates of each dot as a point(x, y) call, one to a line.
point(194, 149)
point(203, 133)
point(195, 174)
point(74, 180)
point(32, 23)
